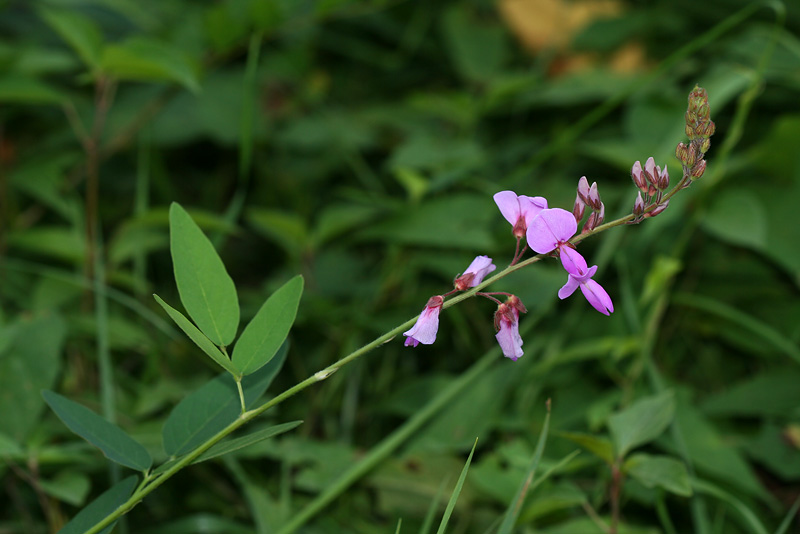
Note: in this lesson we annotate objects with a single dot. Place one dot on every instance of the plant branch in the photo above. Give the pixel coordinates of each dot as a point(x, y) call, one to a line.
point(319, 376)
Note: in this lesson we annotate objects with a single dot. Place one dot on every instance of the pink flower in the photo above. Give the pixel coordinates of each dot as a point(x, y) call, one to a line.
point(519, 210)
point(477, 270)
point(580, 275)
point(424, 330)
point(506, 320)
point(552, 230)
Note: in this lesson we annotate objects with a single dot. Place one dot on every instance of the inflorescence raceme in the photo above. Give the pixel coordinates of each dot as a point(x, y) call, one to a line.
point(549, 231)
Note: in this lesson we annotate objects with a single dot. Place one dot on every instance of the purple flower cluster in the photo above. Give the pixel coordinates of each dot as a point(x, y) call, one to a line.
point(546, 231)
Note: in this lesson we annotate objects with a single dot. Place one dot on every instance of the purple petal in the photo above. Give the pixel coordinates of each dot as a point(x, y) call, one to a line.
point(411, 342)
point(597, 297)
point(573, 262)
point(530, 207)
point(550, 228)
point(560, 222)
point(480, 263)
point(568, 288)
point(508, 203)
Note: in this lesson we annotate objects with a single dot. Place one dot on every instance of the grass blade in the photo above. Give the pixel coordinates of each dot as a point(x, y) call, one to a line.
point(513, 510)
point(451, 504)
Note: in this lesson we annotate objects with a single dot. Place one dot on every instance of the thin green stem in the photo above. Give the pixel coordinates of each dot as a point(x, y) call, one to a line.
point(241, 393)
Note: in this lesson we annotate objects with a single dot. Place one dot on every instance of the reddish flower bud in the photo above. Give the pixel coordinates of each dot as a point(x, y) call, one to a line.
point(638, 205)
point(591, 223)
point(682, 152)
point(699, 169)
point(708, 129)
point(691, 156)
point(658, 209)
point(663, 179)
point(638, 177)
point(578, 209)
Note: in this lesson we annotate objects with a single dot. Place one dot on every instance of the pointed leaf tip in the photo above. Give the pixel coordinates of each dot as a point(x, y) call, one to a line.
point(267, 331)
point(205, 287)
point(114, 442)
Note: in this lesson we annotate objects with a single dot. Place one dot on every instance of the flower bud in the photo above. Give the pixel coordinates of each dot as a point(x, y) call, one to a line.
point(650, 170)
point(578, 209)
point(583, 190)
point(591, 223)
point(707, 129)
point(637, 176)
point(682, 152)
point(705, 145)
point(601, 214)
point(703, 111)
point(638, 205)
point(594, 197)
point(699, 169)
point(691, 156)
point(663, 179)
point(658, 209)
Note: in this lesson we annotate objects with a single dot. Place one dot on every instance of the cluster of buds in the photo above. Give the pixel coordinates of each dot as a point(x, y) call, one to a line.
point(653, 183)
point(588, 197)
point(699, 129)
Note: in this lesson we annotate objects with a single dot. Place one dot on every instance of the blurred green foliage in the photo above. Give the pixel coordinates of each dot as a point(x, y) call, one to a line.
point(358, 143)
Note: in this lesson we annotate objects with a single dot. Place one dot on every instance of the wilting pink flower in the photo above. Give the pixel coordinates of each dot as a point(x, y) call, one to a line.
point(424, 330)
point(519, 210)
point(581, 275)
point(477, 270)
point(506, 321)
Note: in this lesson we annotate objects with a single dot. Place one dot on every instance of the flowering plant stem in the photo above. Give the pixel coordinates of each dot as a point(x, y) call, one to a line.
point(151, 482)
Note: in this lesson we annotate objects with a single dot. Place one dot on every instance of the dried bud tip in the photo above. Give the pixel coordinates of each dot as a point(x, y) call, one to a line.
point(514, 302)
point(435, 302)
point(464, 282)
